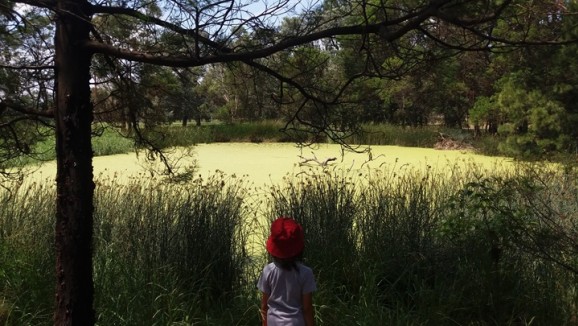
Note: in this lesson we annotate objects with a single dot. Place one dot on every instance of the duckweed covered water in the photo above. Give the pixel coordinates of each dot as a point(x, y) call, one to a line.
point(268, 163)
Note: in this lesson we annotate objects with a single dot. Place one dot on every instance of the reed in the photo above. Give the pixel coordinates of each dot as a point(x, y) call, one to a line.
point(27, 261)
point(164, 252)
point(256, 132)
point(422, 248)
point(175, 251)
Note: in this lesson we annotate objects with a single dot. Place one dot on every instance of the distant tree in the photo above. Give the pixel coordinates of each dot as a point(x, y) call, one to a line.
point(217, 92)
point(532, 122)
point(184, 100)
point(485, 115)
point(537, 92)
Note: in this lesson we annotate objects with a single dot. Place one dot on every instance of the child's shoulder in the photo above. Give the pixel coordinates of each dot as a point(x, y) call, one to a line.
point(270, 265)
point(304, 267)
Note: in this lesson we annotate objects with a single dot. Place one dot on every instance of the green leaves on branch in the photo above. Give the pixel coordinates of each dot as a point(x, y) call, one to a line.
point(533, 123)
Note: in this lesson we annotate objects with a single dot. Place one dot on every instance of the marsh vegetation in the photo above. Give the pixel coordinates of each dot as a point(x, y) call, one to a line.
point(446, 244)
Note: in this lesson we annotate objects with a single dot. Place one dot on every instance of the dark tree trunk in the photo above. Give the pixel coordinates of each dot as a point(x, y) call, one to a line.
point(185, 119)
point(492, 127)
point(75, 186)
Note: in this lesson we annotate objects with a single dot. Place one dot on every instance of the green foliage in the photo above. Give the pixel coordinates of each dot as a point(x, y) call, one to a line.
point(484, 112)
point(532, 122)
point(518, 224)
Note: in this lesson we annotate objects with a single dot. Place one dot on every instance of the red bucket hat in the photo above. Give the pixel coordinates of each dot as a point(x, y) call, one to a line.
point(286, 239)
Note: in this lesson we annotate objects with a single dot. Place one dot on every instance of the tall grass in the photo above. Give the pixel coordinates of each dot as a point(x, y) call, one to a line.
point(164, 253)
point(387, 134)
point(27, 278)
point(326, 205)
point(388, 247)
point(176, 251)
point(109, 141)
point(419, 248)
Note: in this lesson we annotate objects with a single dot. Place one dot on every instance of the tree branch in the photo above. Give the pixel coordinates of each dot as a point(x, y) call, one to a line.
point(27, 67)
point(48, 4)
point(21, 109)
point(228, 55)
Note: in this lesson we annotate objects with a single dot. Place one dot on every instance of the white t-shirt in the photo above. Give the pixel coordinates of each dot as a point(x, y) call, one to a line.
point(286, 289)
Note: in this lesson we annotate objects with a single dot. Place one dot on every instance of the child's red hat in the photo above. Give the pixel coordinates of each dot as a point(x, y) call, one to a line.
point(286, 239)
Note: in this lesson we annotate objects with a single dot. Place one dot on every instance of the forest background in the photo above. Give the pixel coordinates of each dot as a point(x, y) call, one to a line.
point(524, 95)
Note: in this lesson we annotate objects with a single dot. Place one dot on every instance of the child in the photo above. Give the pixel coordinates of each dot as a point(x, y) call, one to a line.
point(286, 284)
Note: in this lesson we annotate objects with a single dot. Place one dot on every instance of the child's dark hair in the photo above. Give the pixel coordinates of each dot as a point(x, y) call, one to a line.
point(289, 263)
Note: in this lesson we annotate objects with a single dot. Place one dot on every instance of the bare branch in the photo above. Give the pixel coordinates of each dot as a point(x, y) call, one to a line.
point(39, 3)
point(27, 67)
point(29, 112)
point(229, 56)
point(324, 163)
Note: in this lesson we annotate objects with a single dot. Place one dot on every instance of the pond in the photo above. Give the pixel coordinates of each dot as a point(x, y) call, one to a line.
point(268, 163)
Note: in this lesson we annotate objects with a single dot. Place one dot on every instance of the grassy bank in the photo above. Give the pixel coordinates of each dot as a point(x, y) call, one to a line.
point(387, 249)
point(270, 131)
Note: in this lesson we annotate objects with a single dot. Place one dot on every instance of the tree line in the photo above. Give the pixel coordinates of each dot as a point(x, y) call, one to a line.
point(527, 94)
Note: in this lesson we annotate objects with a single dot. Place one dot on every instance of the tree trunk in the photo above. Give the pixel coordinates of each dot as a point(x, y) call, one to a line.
point(185, 119)
point(74, 179)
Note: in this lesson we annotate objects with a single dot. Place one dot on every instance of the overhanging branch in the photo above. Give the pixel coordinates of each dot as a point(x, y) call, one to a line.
point(228, 55)
point(30, 114)
point(27, 67)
